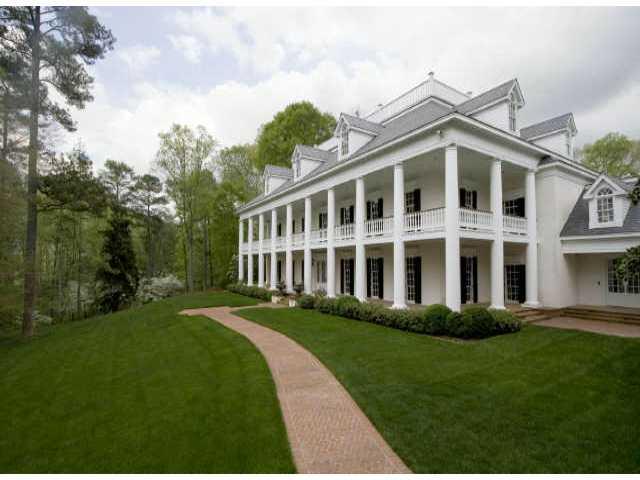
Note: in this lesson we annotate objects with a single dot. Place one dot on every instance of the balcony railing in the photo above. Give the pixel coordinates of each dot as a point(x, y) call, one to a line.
point(424, 221)
point(266, 244)
point(297, 239)
point(475, 219)
point(514, 225)
point(281, 241)
point(345, 232)
point(319, 236)
point(379, 227)
point(244, 248)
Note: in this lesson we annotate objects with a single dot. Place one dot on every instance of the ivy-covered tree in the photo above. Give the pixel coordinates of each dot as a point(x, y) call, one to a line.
point(299, 123)
point(55, 43)
point(117, 278)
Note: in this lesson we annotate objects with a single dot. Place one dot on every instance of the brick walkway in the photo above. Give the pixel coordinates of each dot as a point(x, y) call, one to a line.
point(327, 431)
point(605, 328)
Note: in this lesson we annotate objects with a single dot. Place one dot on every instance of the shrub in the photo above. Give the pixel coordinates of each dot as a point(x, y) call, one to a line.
point(346, 306)
point(325, 305)
point(474, 322)
point(298, 288)
point(282, 289)
point(505, 321)
point(435, 317)
point(251, 291)
point(453, 324)
point(306, 301)
point(156, 288)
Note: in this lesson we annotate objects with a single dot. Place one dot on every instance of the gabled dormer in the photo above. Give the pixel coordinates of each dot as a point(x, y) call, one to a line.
point(306, 159)
point(498, 107)
point(608, 201)
point(274, 177)
point(354, 132)
point(556, 134)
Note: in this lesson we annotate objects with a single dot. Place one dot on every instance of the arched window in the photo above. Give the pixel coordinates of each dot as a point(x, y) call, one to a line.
point(344, 140)
point(605, 205)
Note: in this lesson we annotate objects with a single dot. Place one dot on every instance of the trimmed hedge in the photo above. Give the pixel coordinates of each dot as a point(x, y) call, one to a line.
point(474, 322)
point(251, 291)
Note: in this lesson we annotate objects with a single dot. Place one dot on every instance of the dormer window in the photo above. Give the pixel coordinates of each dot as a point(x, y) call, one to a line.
point(512, 114)
point(605, 205)
point(344, 140)
point(568, 143)
point(297, 167)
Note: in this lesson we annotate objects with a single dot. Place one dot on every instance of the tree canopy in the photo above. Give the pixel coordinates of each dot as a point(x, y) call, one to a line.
point(613, 154)
point(299, 123)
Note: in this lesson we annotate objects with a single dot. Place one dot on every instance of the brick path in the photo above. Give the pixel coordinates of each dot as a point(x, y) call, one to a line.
point(327, 431)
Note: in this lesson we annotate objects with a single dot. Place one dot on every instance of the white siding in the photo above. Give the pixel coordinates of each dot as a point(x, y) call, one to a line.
point(496, 115)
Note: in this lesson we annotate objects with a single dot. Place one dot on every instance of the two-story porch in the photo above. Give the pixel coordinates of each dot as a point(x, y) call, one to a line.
point(451, 225)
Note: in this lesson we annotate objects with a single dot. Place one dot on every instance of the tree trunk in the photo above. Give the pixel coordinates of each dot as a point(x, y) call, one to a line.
point(4, 170)
point(79, 270)
point(150, 269)
point(205, 257)
point(32, 184)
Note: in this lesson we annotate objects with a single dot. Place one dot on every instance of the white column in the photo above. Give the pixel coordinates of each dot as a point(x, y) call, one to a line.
point(250, 254)
point(240, 255)
point(261, 250)
point(331, 250)
point(497, 246)
point(274, 256)
point(399, 279)
point(307, 245)
point(360, 276)
point(288, 252)
point(452, 232)
point(532, 246)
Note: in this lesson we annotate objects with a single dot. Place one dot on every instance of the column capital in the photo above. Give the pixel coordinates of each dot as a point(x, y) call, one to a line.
point(451, 146)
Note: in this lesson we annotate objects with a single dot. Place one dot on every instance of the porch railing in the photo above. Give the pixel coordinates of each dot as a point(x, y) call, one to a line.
point(344, 232)
point(476, 219)
point(514, 225)
point(319, 236)
point(266, 244)
point(281, 241)
point(297, 239)
point(424, 220)
point(378, 227)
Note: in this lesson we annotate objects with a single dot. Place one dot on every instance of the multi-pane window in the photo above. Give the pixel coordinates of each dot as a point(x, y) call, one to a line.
point(605, 205)
point(411, 279)
point(344, 140)
point(616, 285)
point(512, 115)
point(375, 277)
point(512, 283)
point(510, 207)
point(409, 202)
point(468, 199)
point(322, 220)
point(298, 168)
point(321, 272)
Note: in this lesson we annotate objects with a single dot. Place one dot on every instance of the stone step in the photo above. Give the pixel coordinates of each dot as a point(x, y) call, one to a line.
point(603, 315)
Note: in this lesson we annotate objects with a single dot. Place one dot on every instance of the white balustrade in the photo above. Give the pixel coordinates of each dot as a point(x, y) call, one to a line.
point(266, 244)
point(514, 225)
point(319, 236)
point(378, 227)
point(424, 221)
point(244, 248)
point(345, 232)
point(297, 239)
point(281, 241)
point(476, 219)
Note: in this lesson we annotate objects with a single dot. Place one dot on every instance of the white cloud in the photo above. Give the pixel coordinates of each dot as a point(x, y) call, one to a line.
point(188, 45)
point(139, 58)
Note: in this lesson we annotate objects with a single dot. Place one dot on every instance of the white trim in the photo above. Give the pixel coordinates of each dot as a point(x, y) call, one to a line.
point(605, 235)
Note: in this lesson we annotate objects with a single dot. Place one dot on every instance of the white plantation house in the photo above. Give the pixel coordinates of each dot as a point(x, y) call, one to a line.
point(439, 196)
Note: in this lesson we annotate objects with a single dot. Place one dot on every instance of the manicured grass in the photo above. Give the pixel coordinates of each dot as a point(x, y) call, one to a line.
point(541, 400)
point(143, 390)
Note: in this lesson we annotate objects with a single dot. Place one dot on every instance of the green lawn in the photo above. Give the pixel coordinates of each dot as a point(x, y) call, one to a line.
point(144, 390)
point(542, 400)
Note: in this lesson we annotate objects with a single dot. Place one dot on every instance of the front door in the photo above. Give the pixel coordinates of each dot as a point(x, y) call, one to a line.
point(469, 279)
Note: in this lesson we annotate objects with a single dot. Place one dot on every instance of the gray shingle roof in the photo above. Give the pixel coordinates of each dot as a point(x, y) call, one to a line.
point(547, 126)
point(278, 171)
point(316, 153)
point(408, 122)
point(486, 98)
point(578, 222)
point(363, 124)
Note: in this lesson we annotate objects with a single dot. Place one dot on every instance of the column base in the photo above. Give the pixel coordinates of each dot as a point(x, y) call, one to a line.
point(399, 306)
point(498, 307)
point(532, 304)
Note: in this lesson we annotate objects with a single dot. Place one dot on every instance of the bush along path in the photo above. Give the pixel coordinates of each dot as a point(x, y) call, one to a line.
point(327, 430)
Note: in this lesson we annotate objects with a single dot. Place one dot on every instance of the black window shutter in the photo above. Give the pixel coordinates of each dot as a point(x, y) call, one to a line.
point(302, 272)
point(368, 210)
point(380, 277)
point(279, 270)
point(475, 199)
point(341, 215)
point(380, 215)
point(369, 279)
point(320, 226)
point(352, 269)
point(417, 268)
point(416, 200)
point(523, 283)
point(293, 226)
point(302, 226)
point(520, 207)
point(279, 229)
point(352, 218)
point(475, 279)
point(463, 271)
point(463, 194)
point(342, 275)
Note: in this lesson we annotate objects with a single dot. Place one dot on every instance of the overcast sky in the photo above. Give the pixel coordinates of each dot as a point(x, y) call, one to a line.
point(232, 69)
